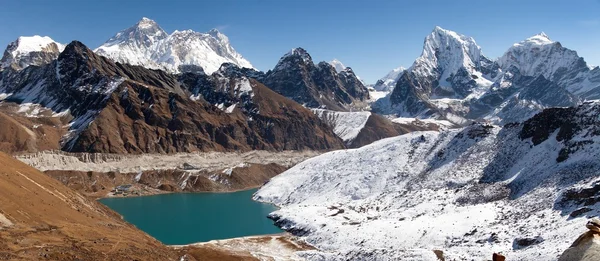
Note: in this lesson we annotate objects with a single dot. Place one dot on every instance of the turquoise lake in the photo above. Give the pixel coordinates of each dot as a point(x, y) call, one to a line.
point(184, 218)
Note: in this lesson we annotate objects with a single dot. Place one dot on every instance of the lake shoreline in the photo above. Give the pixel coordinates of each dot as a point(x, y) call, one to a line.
point(188, 218)
point(162, 192)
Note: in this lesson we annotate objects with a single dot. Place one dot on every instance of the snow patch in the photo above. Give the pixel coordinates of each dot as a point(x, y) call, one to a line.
point(346, 125)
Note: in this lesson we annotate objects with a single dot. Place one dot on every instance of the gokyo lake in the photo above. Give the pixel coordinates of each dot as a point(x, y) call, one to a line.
point(185, 218)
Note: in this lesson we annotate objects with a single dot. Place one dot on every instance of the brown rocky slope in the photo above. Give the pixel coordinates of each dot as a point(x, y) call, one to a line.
point(378, 127)
point(42, 219)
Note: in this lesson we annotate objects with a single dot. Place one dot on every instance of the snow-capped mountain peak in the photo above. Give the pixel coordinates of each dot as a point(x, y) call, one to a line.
point(36, 43)
point(148, 45)
point(538, 55)
point(339, 66)
point(218, 35)
point(538, 39)
point(388, 82)
point(448, 51)
point(30, 50)
point(146, 23)
point(144, 33)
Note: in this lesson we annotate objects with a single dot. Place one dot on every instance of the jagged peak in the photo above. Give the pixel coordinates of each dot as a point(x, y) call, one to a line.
point(146, 23)
point(75, 47)
point(439, 39)
point(184, 32)
point(448, 51)
point(145, 30)
point(297, 52)
point(441, 32)
point(538, 39)
point(218, 35)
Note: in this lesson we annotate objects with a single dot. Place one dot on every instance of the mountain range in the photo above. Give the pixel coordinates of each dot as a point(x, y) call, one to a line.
point(148, 45)
point(453, 80)
point(114, 100)
point(121, 108)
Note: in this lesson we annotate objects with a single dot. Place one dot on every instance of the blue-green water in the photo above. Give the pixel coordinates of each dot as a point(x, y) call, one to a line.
point(184, 218)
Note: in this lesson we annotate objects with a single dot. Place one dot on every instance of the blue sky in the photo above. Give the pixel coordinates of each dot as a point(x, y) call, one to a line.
point(372, 37)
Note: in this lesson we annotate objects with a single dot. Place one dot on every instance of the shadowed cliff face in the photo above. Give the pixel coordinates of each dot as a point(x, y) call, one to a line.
point(315, 85)
point(120, 108)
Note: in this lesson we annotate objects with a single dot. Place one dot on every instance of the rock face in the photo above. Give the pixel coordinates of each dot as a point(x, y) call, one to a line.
point(118, 108)
point(453, 80)
point(316, 86)
point(147, 44)
point(587, 246)
point(25, 51)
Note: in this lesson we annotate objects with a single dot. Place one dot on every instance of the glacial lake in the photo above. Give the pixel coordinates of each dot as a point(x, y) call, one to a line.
point(185, 218)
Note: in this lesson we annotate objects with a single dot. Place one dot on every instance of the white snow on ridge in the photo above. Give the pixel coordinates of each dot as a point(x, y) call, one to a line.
point(27, 44)
point(148, 45)
point(376, 95)
point(346, 125)
point(388, 82)
point(20, 51)
point(469, 192)
point(448, 51)
point(339, 66)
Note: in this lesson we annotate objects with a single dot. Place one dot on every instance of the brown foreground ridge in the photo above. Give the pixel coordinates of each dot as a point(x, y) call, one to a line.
point(41, 219)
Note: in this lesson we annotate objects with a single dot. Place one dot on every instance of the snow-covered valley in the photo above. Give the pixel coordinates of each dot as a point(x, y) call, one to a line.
point(522, 190)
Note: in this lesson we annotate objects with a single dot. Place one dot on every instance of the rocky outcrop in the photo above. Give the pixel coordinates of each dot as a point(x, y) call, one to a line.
point(587, 246)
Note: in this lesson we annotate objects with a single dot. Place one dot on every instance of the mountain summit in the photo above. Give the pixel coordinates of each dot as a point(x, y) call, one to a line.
point(148, 45)
point(30, 50)
point(297, 77)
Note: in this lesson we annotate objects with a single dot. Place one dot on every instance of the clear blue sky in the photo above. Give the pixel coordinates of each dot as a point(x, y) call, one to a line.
point(372, 37)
